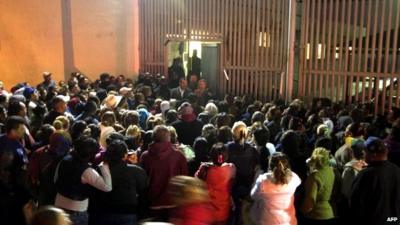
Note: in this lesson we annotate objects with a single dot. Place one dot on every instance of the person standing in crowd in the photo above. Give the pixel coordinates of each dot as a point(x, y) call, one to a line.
point(42, 166)
point(318, 189)
point(161, 162)
point(392, 142)
point(182, 91)
point(121, 205)
point(202, 92)
point(218, 176)
point(375, 195)
point(194, 65)
point(47, 81)
point(263, 147)
point(191, 199)
point(273, 193)
point(193, 80)
point(59, 108)
point(353, 167)
point(188, 127)
point(14, 191)
point(74, 178)
point(246, 158)
point(175, 72)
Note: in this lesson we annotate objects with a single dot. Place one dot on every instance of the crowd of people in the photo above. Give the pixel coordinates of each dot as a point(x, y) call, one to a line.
point(119, 151)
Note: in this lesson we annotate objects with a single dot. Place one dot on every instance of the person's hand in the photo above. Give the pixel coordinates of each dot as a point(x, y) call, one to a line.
point(29, 209)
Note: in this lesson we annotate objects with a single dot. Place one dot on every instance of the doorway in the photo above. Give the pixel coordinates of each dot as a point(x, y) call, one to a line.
point(210, 61)
point(208, 54)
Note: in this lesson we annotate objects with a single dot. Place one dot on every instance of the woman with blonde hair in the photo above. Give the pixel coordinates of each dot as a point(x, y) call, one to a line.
point(50, 216)
point(273, 193)
point(246, 159)
point(61, 123)
point(318, 189)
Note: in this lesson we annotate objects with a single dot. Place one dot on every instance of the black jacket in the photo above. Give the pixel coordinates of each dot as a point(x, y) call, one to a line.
point(129, 184)
point(375, 197)
point(176, 94)
point(188, 131)
point(245, 158)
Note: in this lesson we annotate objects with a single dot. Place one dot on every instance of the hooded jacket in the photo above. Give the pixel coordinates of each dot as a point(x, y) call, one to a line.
point(162, 162)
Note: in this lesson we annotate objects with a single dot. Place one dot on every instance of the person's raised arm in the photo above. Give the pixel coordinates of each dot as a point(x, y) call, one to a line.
point(102, 182)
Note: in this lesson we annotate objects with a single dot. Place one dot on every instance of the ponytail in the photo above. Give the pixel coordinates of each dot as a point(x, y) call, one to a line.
point(279, 165)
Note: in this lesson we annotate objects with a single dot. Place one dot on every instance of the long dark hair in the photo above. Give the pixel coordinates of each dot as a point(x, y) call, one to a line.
point(279, 165)
point(218, 154)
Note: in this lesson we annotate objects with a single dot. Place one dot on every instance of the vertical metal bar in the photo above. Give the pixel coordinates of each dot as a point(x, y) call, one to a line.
point(379, 65)
point(394, 60)
point(318, 76)
point(342, 35)
point(236, 27)
point(292, 9)
point(311, 49)
point(373, 50)
point(386, 62)
point(359, 49)
point(366, 52)
point(346, 62)
point(324, 77)
point(257, 35)
point(302, 60)
point(247, 31)
point(353, 53)
point(268, 11)
point(334, 58)
point(272, 30)
point(329, 50)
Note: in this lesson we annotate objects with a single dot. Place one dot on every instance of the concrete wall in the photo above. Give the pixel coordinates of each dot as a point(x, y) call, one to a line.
point(63, 36)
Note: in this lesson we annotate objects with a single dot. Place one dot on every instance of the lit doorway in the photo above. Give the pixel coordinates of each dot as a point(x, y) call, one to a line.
point(208, 52)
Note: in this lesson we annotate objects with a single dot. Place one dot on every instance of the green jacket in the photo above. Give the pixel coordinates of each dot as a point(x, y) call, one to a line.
point(318, 191)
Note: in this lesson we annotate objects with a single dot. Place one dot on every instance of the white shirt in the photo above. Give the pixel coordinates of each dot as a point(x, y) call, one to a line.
point(91, 177)
point(181, 91)
point(274, 203)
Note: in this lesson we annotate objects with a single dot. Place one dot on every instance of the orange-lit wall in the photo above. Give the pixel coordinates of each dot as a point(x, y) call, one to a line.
point(68, 35)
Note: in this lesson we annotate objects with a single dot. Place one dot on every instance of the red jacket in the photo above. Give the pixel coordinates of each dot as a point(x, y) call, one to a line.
point(219, 184)
point(162, 162)
point(193, 214)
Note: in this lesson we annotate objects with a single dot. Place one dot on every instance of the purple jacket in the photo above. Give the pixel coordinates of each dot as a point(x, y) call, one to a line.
point(162, 162)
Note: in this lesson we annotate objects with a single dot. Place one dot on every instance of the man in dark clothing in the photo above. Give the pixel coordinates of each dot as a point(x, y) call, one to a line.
point(11, 141)
point(181, 92)
point(375, 196)
point(175, 72)
point(194, 65)
point(188, 127)
point(121, 205)
point(272, 122)
point(48, 82)
point(59, 109)
point(162, 162)
point(13, 183)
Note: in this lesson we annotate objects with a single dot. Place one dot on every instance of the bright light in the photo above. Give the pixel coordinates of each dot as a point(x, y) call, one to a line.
point(195, 45)
point(264, 40)
point(321, 51)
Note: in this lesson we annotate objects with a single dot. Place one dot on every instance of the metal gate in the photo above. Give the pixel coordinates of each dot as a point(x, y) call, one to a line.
point(253, 36)
point(349, 51)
